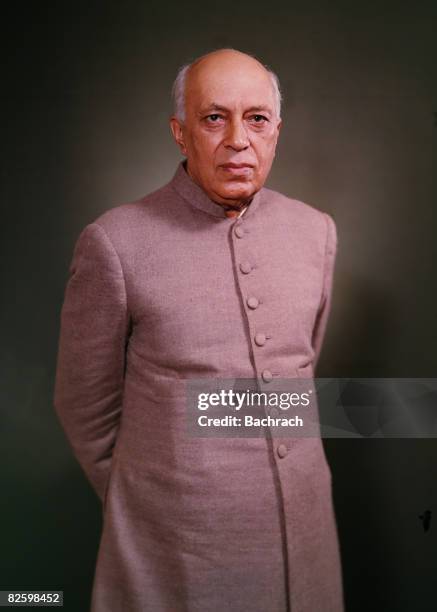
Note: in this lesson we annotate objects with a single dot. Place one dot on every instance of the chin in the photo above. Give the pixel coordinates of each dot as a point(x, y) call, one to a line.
point(237, 192)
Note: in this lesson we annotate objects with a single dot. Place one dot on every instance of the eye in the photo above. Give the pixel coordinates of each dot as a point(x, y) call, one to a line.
point(214, 118)
point(258, 118)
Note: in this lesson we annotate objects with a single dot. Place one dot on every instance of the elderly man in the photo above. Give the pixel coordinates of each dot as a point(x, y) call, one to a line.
point(211, 276)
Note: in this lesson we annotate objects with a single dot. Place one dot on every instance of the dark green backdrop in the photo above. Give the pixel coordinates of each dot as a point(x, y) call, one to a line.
point(85, 108)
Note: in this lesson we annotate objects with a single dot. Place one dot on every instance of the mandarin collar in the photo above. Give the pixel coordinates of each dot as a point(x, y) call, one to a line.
point(194, 195)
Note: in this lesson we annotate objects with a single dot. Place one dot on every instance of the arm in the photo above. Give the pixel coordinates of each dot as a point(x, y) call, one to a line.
point(91, 355)
point(325, 303)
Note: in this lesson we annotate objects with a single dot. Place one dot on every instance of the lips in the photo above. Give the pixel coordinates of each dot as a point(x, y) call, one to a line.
point(237, 170)
point(231, 165)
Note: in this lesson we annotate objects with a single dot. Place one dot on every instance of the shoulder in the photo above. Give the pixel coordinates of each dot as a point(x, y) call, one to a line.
point(302, 216)
point(128, 216)
point(129, 224)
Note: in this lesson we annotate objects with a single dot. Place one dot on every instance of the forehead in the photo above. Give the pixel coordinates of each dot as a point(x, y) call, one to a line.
point(229, 84)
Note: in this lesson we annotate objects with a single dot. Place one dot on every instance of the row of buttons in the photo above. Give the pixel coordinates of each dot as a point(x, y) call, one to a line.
point(253, 303)
point(260, 338)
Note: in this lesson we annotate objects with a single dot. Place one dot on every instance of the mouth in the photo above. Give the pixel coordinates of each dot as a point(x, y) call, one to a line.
point(237, 169)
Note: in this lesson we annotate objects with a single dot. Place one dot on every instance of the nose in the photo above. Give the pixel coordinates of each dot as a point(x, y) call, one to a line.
point(236, 137)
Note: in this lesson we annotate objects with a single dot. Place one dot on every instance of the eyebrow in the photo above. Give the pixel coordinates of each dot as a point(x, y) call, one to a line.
point(212, 107)
point(254, 109)
point(219, 107)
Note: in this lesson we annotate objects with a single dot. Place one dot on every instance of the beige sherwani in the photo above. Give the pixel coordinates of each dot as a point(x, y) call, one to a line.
point(167, 289)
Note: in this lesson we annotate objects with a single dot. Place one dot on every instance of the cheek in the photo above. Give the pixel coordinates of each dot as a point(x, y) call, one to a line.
point(268, 146)
point(206, 145)
point(264, 147)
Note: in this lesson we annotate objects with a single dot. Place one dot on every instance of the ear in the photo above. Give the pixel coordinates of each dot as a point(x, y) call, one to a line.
point(278, 127)
point(178, 133)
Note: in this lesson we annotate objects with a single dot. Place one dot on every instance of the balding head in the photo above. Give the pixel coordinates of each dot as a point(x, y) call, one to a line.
point(227, 124)
point(223, 57)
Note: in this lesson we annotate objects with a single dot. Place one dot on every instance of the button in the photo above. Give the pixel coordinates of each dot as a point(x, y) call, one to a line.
point(282, 451)
point(267, 376)
point(274, 412)
point(246, 267)
point(260, 339)
point(252, 302)
point(239, 231)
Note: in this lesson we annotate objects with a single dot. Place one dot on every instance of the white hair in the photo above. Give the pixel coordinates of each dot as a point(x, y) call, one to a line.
point(178, 89)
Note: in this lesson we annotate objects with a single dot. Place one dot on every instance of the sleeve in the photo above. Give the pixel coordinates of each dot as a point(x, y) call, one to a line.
point(91, 354)
point(328, 277)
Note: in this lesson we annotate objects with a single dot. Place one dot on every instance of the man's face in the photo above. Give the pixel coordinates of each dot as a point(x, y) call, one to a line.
point(231, 127)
